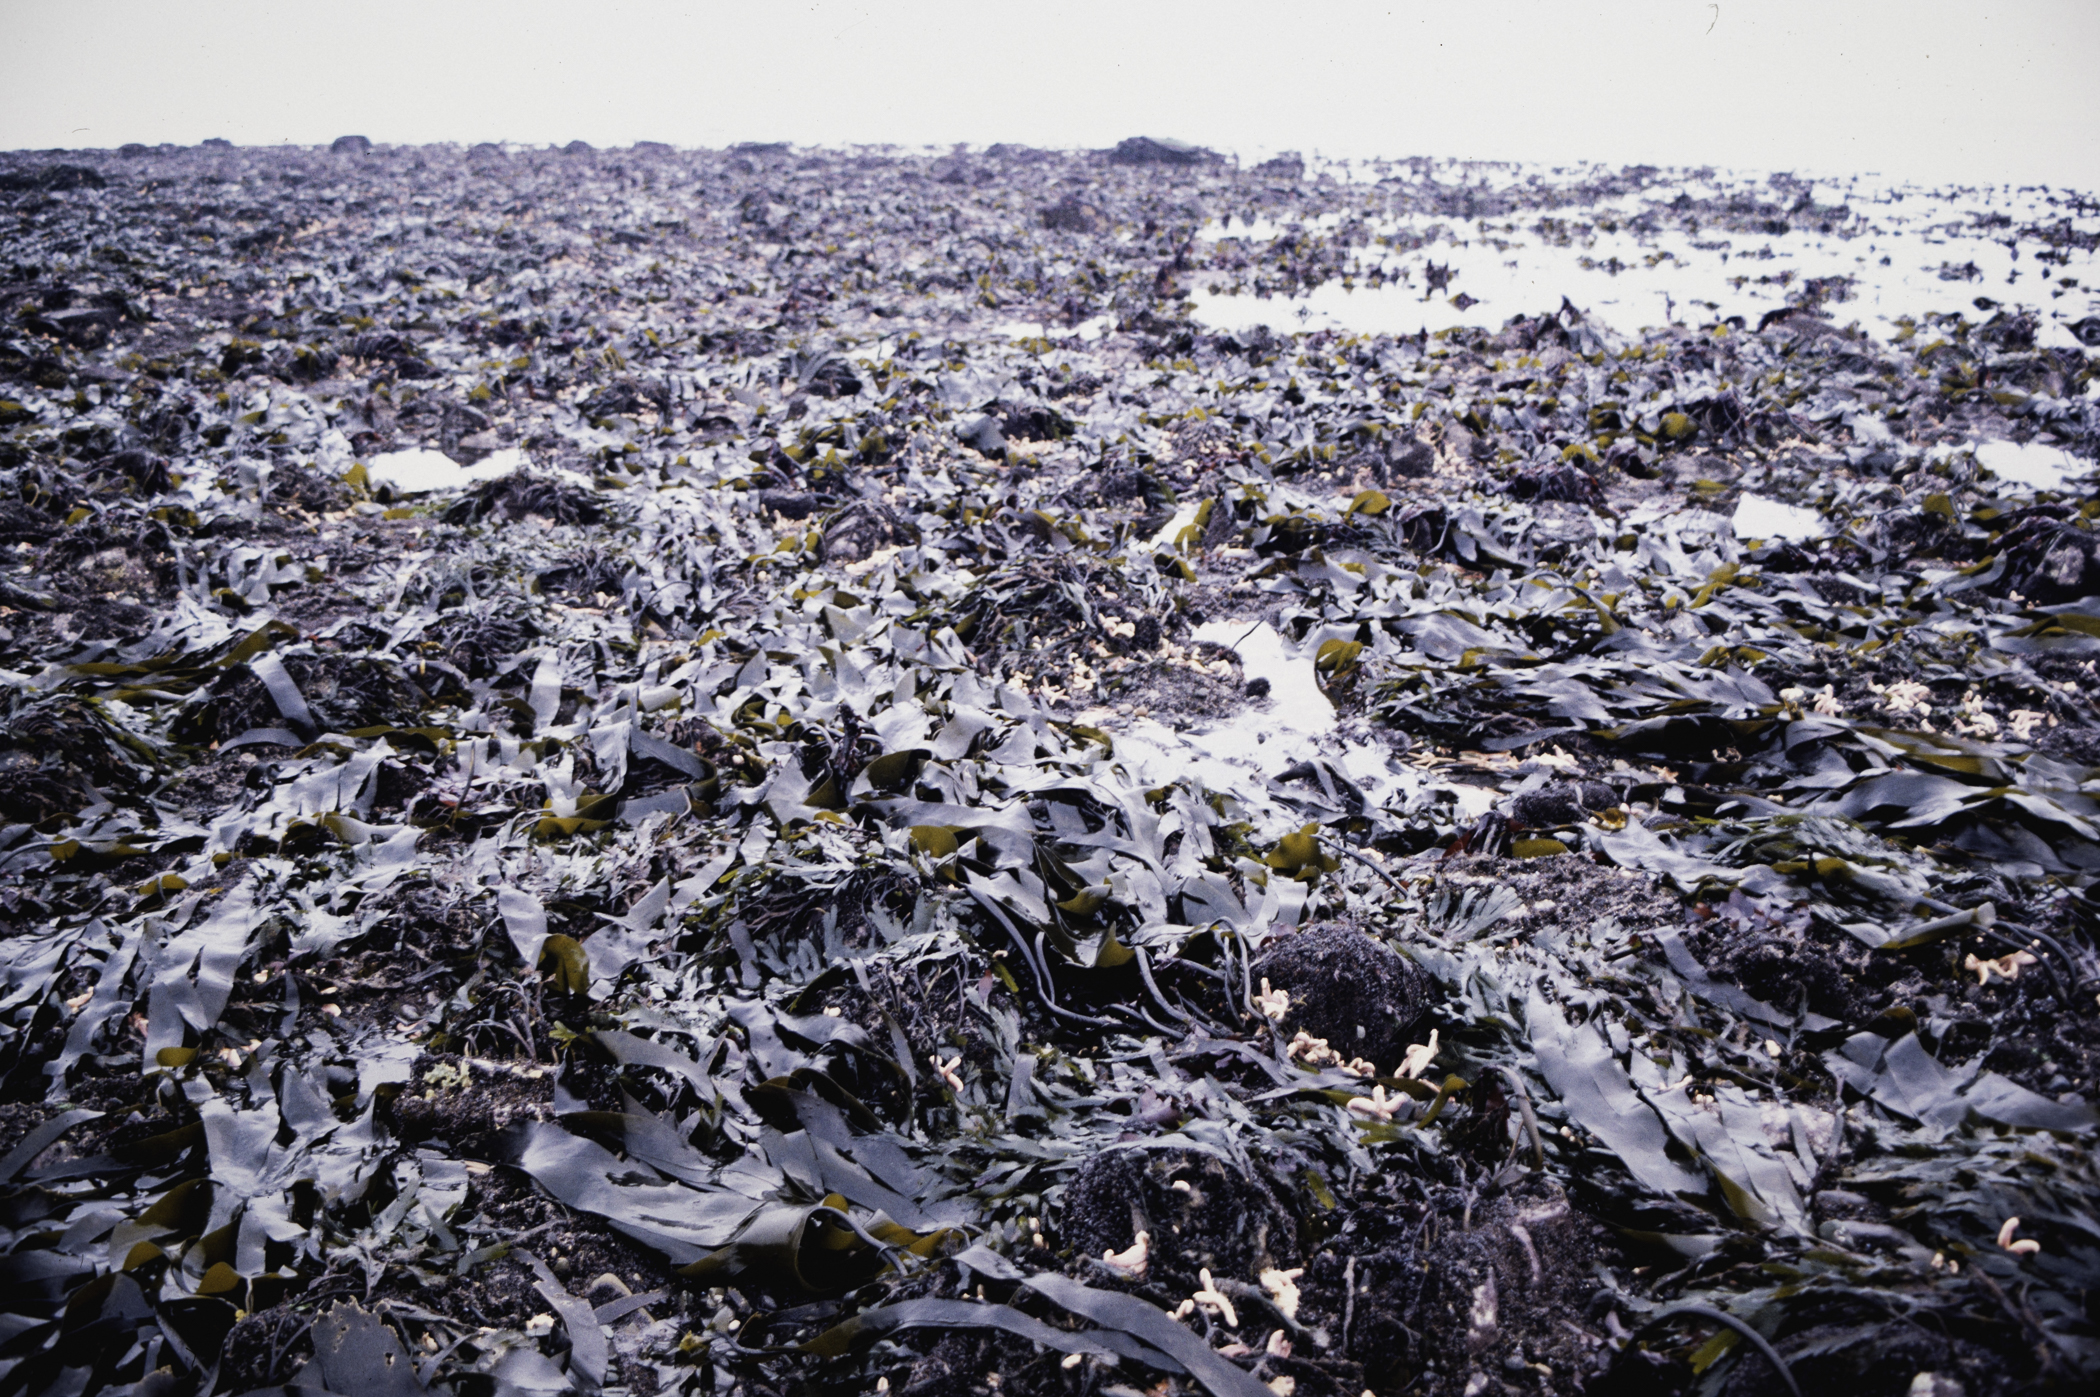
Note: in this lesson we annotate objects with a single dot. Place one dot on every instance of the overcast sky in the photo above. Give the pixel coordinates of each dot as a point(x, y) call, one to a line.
point(1924, 89)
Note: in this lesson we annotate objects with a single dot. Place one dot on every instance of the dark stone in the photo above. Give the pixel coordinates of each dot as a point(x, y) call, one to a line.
point(1124, 484)
point(1025, 422)
point(1257, 688)
point(1511, 1275)
point(1155, 150)
point(309, 363)
point(794, 504)
point(579, 148)
point(834, 378)
point(1408, 457)
point(1360, 995)
point(51, 179)
point(1846, 1206)
point(950, 1368)
point(215, 143)
point(1836, 587)
point(350, 145)
point(30, 793)
point(1787, 974)
point(1784, 558)
point(620, 396)
point(2009, 330)
point(24, 523)
point(86, 326)
point(1561, 480)
point(1223, 1220)
point(518, 494)
point(859, 530)
point(1549, 807)
point(1069, 215)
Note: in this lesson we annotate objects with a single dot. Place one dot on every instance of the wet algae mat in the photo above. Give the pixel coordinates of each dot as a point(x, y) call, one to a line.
point(781, 772)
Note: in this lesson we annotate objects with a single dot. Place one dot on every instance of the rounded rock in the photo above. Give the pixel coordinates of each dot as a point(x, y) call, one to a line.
point(1200, 1212)
point(1359, 994)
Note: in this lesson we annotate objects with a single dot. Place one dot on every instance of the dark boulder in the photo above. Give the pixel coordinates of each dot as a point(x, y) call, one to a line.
point(794, 504)
point(1559, 480)
point(51, 179)
point(1033, 422)
point(1405, 457)
point(1359, 994)
point(1156, 150)
point(350, 145)
point(514, 496)
point(88, 327)
point(1559, 804)
point(833, 378)
point(1069, 215)
point(30, 794)
point(619, 396)
point(1510, 1275)
point(862, 529)
point(1201, 1212)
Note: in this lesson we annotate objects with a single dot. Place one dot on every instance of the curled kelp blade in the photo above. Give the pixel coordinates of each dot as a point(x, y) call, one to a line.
point(1126, 1327)
point(816, 1249)
point(871, 1325)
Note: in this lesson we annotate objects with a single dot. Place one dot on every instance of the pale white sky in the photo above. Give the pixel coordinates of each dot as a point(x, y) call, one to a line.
point(1925, 89)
